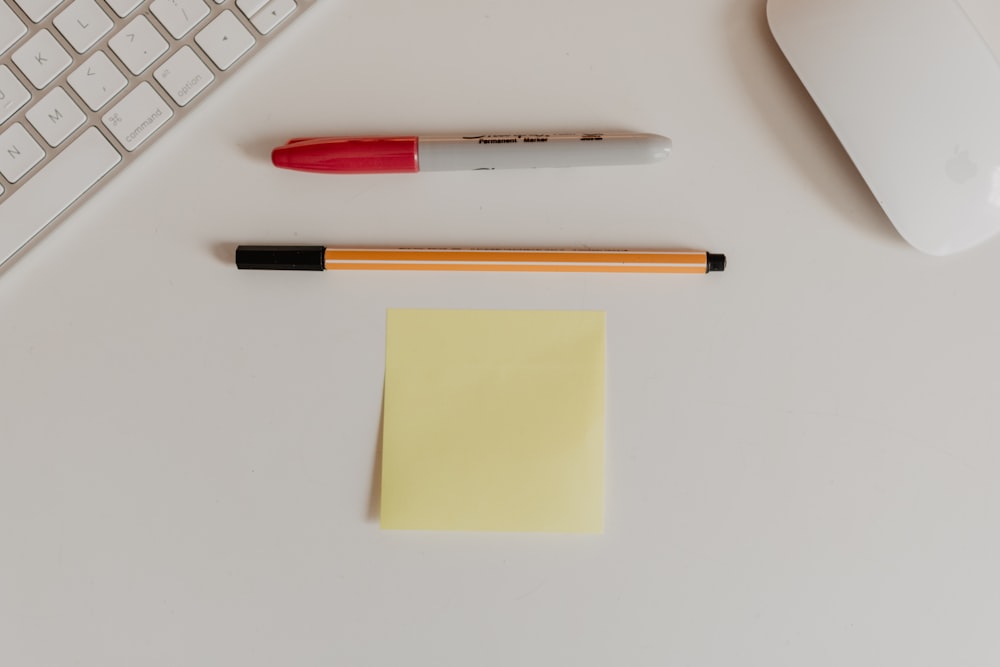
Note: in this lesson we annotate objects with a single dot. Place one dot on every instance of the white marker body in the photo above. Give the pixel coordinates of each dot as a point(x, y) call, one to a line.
point(527, 151)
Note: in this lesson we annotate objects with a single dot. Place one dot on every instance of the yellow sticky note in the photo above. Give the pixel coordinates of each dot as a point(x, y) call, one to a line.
point(494, 421)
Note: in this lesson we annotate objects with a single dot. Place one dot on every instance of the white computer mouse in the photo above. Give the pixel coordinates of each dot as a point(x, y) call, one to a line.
point(912, 90)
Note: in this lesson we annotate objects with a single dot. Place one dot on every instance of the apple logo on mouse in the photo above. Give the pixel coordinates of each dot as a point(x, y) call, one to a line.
point(961, 168)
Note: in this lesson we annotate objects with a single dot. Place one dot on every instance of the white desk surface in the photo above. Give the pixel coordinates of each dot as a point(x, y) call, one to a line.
point(802, 452)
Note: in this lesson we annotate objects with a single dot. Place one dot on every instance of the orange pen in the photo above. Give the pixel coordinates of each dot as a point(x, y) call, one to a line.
point(320, 258)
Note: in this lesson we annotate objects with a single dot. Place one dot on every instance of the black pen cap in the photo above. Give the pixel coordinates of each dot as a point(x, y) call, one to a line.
point(715, 262)
point(281, 257)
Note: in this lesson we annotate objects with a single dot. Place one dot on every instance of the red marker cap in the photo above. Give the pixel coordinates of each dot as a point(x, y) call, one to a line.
point(339, 155)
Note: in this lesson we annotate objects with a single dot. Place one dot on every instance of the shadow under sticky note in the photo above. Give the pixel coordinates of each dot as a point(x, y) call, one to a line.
point(494, 421)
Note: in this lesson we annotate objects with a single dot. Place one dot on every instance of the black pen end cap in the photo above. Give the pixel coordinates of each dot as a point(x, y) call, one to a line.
point(281, 257)
point(715, 262)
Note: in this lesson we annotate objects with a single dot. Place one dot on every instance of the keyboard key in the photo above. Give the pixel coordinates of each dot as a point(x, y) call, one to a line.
point(123, 7)
point(274, 13)
point(138, 45)
point(250, 7)
point(18, 153)
point(82, 24)
point(37, 9)
point(11, 27)
point(55, 117)
point(179, 17)
point(53, 188)
point(184, 75)
point(139, 114)
point(41, 59)
point(13, 94)
point(225, 40)
point(97, 80)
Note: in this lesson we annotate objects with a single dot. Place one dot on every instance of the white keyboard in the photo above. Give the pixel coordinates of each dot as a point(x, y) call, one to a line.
point(86, 85)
